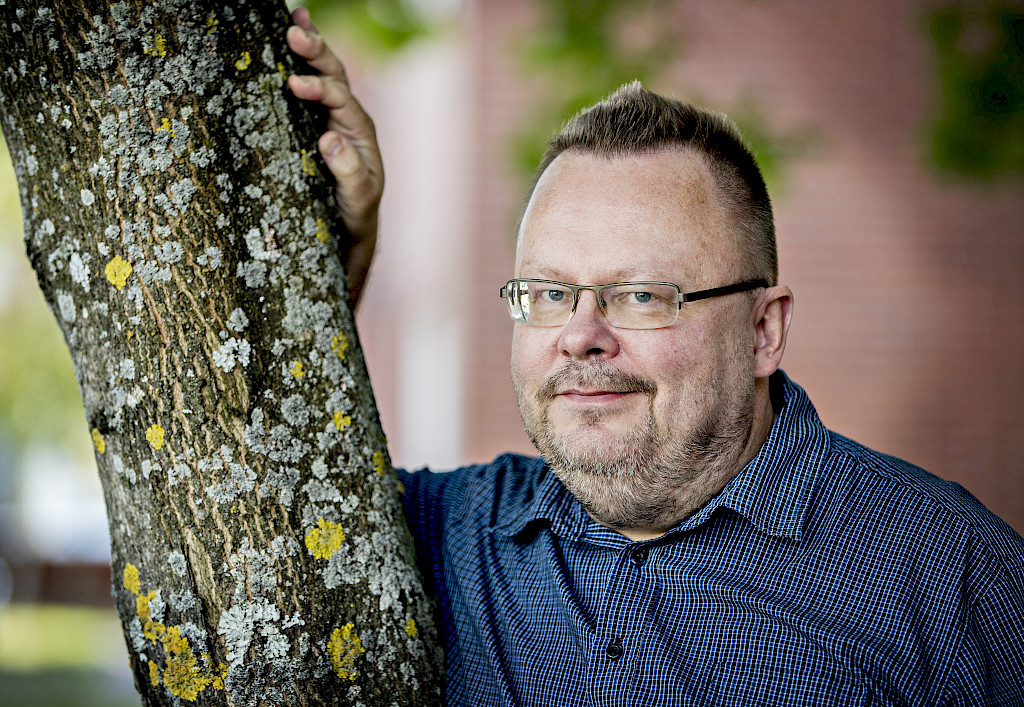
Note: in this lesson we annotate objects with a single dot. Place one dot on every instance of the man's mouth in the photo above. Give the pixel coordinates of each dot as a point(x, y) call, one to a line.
point(594, 384)
point(594, 396)
point(594, 391)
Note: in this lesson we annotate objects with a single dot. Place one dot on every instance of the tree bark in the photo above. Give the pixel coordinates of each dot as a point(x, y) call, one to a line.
point(187, 244)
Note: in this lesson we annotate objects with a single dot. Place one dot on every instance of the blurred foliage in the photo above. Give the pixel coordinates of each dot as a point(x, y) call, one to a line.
point(376, 28)
point(579, 53)
point(978, 128)
point(39, 399)
point(582, 50)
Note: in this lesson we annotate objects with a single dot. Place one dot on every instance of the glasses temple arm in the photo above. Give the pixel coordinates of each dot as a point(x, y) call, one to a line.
point(724, 290)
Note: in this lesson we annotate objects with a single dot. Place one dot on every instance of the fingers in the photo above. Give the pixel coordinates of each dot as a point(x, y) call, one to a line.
point(330, 88)
point(304, 39)
point(360, 183)
point(346, 114)
point(358, 195)
point(348, 146)
point(302, 18)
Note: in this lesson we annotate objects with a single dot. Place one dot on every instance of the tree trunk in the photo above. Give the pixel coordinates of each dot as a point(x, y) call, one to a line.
point(187, 244)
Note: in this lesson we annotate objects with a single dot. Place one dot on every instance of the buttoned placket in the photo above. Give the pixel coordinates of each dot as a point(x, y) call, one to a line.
point(619, 623)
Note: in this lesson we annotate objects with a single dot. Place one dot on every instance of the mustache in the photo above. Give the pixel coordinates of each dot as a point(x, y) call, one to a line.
point(594, 375)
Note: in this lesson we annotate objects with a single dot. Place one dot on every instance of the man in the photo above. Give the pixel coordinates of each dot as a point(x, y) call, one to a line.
point(692, 534)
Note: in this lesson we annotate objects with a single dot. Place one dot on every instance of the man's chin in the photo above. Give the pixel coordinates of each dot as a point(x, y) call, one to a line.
point(598, 450)
point(592, 445)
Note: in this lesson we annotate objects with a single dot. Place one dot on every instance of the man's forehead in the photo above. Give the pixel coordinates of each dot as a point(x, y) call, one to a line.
point(664, 184)
point(657, 206)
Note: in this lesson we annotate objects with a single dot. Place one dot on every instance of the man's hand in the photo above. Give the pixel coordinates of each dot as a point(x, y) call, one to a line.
point(349, 145)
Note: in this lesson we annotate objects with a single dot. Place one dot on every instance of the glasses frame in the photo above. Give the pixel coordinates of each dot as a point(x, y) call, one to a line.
point(506, 294)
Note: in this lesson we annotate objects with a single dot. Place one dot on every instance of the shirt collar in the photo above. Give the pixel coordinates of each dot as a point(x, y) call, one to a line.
point(551, 506)
point(772, 491)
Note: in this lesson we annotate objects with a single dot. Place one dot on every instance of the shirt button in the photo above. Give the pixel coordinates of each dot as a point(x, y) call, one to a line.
point(638, 556)
point(614, 649)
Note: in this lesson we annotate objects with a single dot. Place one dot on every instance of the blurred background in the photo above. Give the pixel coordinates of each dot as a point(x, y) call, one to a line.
point(892, 137)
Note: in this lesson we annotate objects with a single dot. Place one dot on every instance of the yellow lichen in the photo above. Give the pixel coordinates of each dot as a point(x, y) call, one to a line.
point(296, 369)
point(321, 230)
point(159, 47)
point(98, 441)
point(343, 648)
point(218, 680)
point(183, 675)
point(166, 125)
point(142, 605)
point(153, 630)
point(410, 627)
point(155, 435)
point(308, 165)
point(243, 63)
point(378, 463)
point(211, 23)
point(339, 344)
point(341, 421)
point(325, 539)
point(117, 271)
point(131, 578)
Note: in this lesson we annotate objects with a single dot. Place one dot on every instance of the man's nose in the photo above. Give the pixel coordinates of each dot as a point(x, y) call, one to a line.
point(588, 333)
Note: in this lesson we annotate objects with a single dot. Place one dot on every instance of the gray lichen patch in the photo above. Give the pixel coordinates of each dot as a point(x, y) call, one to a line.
point(267, 654)
point(231, 353)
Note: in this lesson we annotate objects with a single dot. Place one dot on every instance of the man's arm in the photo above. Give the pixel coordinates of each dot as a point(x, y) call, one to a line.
point(348, 146)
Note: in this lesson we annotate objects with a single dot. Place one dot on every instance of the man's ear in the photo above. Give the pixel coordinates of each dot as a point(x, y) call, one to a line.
point(772, 313)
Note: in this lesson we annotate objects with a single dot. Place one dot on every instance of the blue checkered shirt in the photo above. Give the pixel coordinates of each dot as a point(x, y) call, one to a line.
point(824, 573)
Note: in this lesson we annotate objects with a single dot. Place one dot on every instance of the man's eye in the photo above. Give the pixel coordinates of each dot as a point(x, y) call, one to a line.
point(552, 295)
point(635, 297)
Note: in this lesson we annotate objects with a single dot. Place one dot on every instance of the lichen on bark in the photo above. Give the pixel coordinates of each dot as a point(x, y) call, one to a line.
point(184, 238)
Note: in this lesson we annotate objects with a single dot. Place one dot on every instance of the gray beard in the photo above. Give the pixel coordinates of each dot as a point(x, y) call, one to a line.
point(648, 481)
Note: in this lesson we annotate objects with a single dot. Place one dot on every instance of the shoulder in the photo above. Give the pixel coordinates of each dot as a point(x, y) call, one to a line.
point(883, 501)
point(509, 481)
point(454, 509)
point(920, 556)
point(927, 514)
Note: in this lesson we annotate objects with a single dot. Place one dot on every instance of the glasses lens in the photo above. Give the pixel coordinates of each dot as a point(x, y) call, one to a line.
point(544, 303)
point(634, 305)
point(538, 302)
point(641, 305)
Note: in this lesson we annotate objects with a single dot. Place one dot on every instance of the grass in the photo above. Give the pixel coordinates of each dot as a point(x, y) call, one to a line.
point(63, 655)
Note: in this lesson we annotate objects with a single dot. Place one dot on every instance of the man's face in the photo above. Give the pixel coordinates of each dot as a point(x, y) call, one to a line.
point(627, 417)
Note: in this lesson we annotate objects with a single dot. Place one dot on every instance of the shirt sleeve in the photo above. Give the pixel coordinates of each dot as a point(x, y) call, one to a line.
point(990, 665)
point(425, 501)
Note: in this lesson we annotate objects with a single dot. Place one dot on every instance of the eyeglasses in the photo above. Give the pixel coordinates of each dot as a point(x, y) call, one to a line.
point(626, 305)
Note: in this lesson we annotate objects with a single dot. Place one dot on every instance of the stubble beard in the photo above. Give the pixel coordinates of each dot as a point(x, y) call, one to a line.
point(642, 479)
